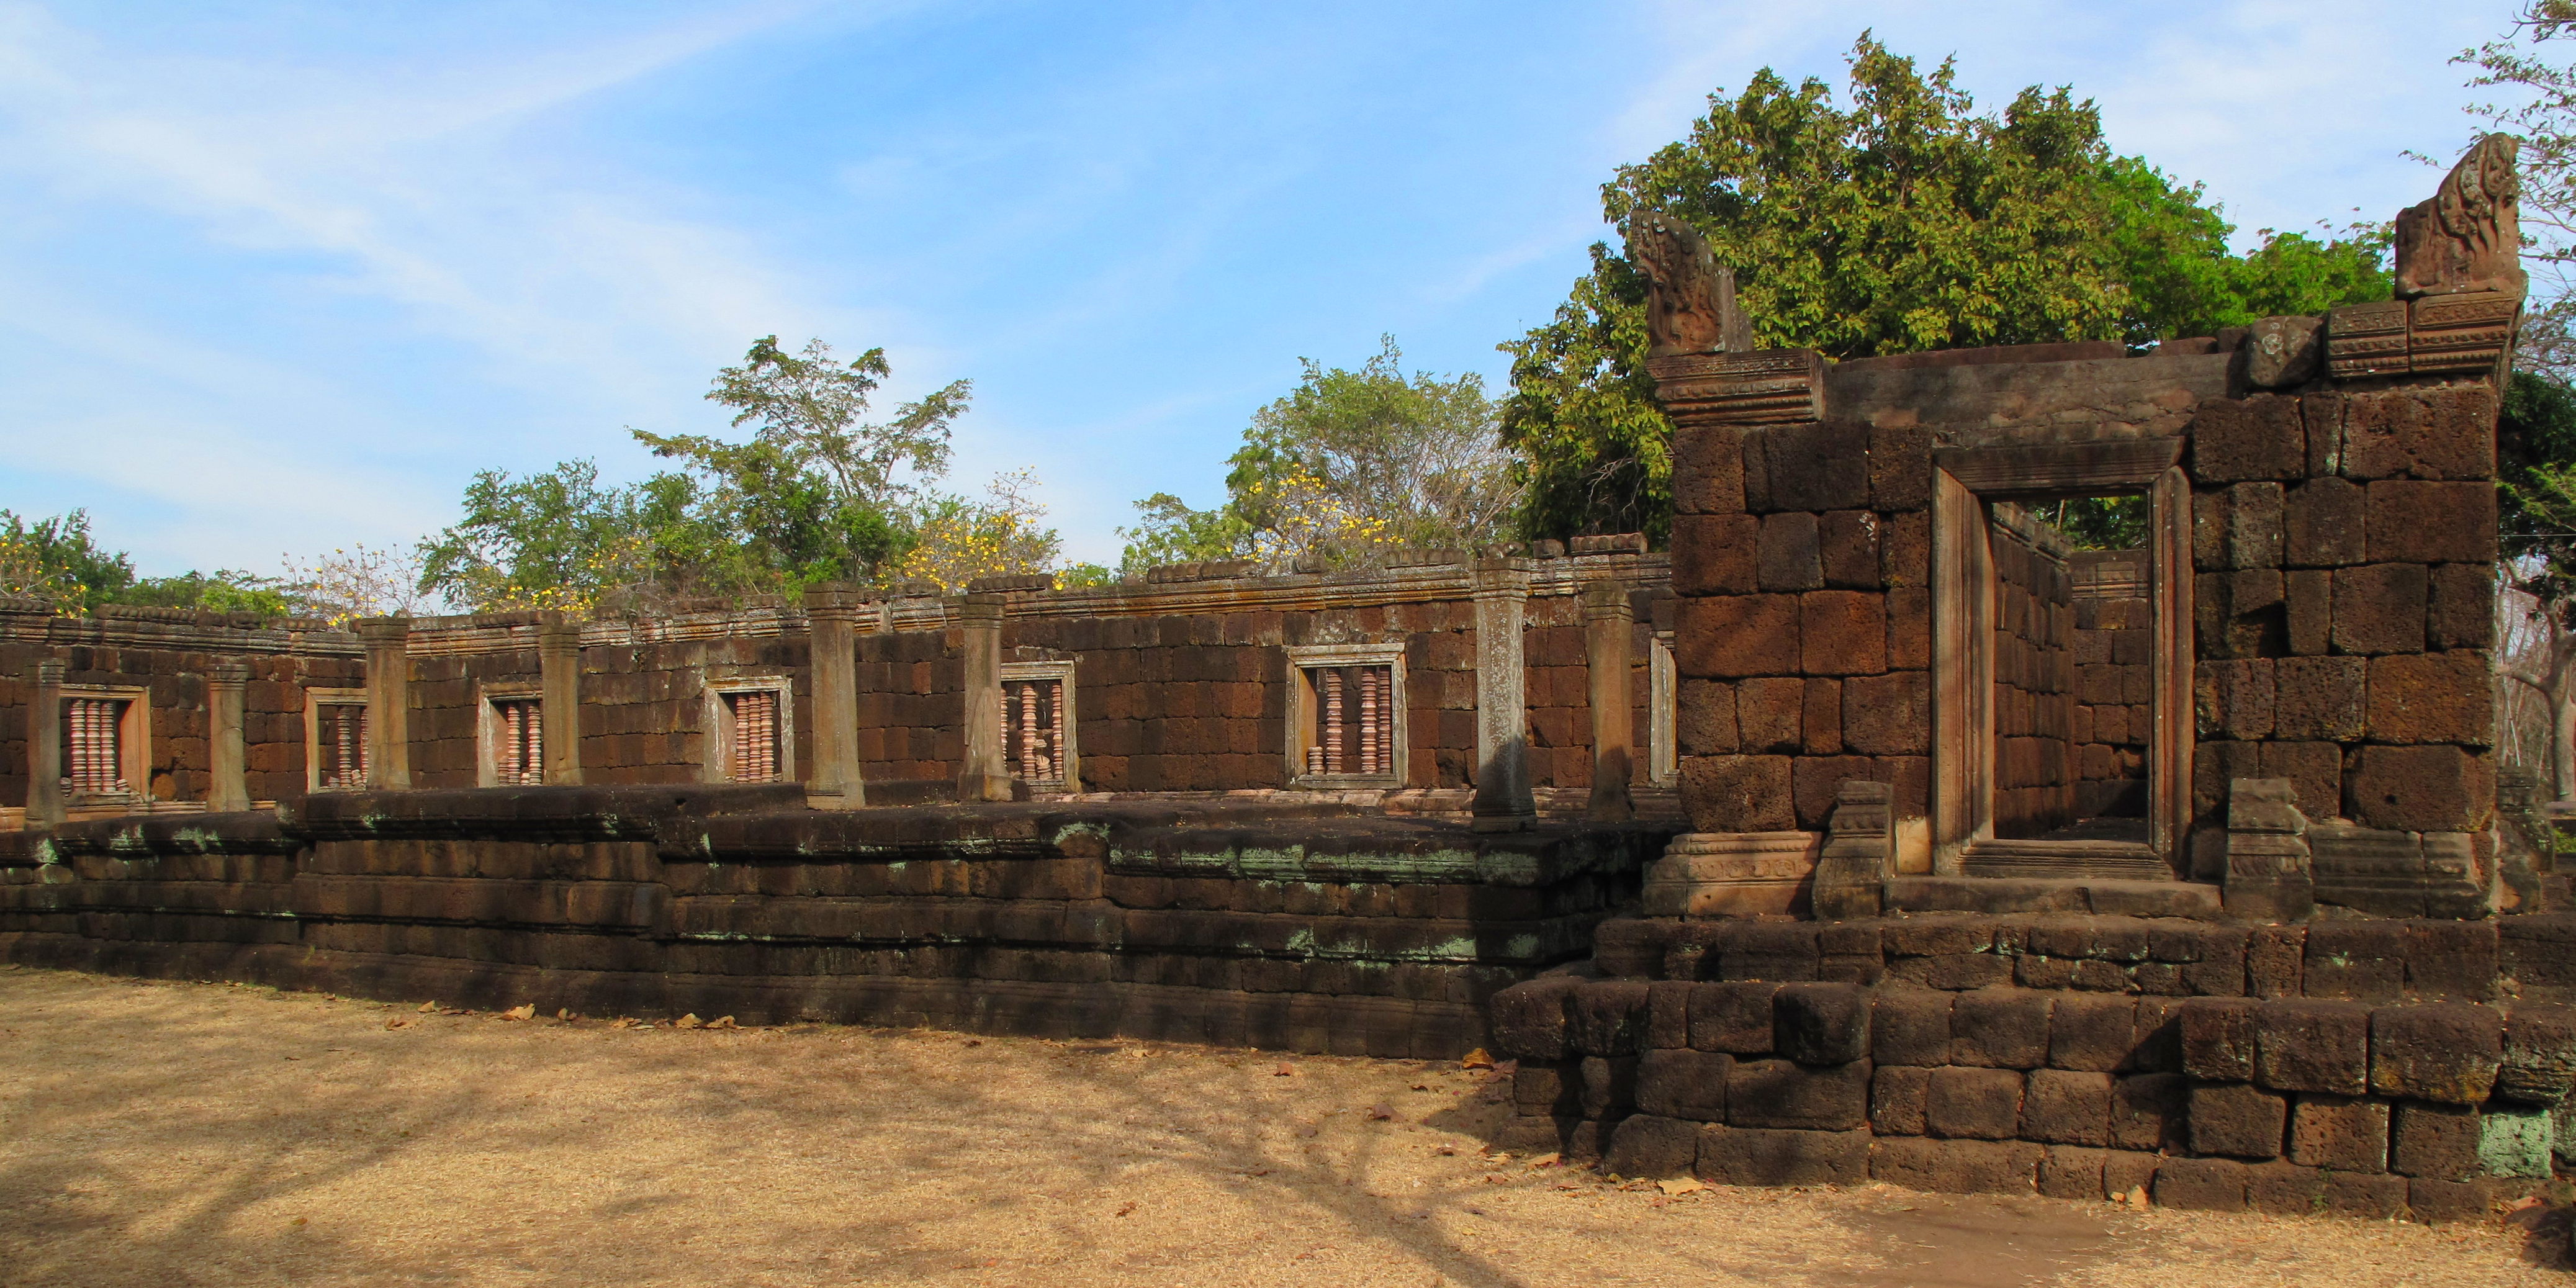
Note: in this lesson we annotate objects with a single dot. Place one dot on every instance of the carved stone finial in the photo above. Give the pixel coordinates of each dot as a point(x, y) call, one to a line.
point(1690, 300)
point(2468, 237)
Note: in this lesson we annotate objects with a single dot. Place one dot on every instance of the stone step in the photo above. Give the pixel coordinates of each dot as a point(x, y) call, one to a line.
point(2056, 859)
point(2106, 897)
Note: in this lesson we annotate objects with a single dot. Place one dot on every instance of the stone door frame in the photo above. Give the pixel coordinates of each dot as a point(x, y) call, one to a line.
point(1964, 481)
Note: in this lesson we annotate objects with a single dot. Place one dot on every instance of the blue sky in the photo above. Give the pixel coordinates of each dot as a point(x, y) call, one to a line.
point(281, 277)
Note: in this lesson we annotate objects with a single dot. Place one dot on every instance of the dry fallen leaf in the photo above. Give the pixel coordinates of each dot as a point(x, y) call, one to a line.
point(1380, 1113)
point(429, 1008)
point(1127, 1207)
point(1544, 1160)
point(2136, 1197)
point(1284, 1070)
point(1680, 1186)
point(723, 1022)
point(396, 1023)
point(688, 1021)
point(523, 1011)
point(1477, 1059)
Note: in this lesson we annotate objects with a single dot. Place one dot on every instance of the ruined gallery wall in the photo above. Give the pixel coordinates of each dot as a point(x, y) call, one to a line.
point(2034, 676)
point(2344, 541)
point(167, 653)
point(1559, 679)
point(2114, 682)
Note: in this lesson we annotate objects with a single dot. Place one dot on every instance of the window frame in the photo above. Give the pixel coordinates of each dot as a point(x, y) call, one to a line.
point(133, 742)
point(717, 760)
point(488, 728)
point(314, 701)
point(1305, 708)
point(1069, 757)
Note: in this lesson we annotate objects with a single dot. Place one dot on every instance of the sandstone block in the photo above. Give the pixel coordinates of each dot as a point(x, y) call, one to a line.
point(2308, 610)
point(1910, 1027)
point(2072, 1172)
point(1888, 715)
point(1713, 554)
point(2261, 437)
point(2067, 1108)
point(1528, 1019)
point(2444, 432)
point(1708, 470)
point(2456, 959)
point(2092, 1032)
point(1909, 627)
point(2322, 524)
point(2218, 1038)
point(2432, 697)
point(1548, 1087)
point(1609, 1086)
point(2340, 1133)
point(1705, 723)
point(1607, 1018)
point(1900, 467)
point(1790, 555)
point(2240, 614)
point(1645, 1145)
point(2442, 1202)
point(1737, 793)
point(2372, 1198)
point(1754, 1156)
point(2237, 1119)
point(1982, 1104)
point(2357, 960)
point(2443, 1051)
point(2313, 1046)
point(1821, 1023)
point(1668, 1012)
point(1822, 466)
point(2435, 1141)
point(1683, 1084)
point(2201, 1184)
point(2000, 1028)
point(2319, 698)
point(1728, 637)
point(1783, 1094)
point(2148, 1110)
point(2380, 608)
point(1820, 727)
point(1771, 714)
point(2234, 699)
point(1850, 550)
point(1842, 632)
point(1898, 1095)
point(1734, 1017)
point(2414, 522)
point(2539, 1066)
point(2284, 1189)
point(1956, 1166)
point(2420, 789)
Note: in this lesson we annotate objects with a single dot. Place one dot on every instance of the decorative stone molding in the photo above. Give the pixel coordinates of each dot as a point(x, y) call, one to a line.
point(1859, 853)
point(2269, 876)
point(1734, 874)
point(1765, 387)
point(227, 789)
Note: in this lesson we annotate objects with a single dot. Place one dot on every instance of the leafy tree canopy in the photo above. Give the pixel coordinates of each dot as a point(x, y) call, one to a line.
point(1344, 467)
point(1904, 221)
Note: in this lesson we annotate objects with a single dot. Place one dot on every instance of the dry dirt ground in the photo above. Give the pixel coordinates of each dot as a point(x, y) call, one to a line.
point(202, 1133)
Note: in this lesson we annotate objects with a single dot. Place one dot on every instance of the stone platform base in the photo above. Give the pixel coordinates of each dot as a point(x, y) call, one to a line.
point(2166, 898)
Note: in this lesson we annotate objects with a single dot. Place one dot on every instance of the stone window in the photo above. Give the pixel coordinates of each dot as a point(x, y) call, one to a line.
point(513, 737)
point(1663, 687)
point(335, 739)
point(1347, 716)
point(752, 723)
point(1038, 724)
point(104, 742)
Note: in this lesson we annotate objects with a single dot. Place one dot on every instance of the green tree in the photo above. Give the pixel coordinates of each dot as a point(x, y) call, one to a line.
point(1905, 221)
point(555, 539)
point(58, 560)
point(1348, 465)
point(2541, 110)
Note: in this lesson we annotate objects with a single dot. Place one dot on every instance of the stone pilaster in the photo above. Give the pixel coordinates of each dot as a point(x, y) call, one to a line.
point(227, 787)
point(1734, 874)
point(559, 697)
point(1503, 801)
point(388, 641)
point(45, 743)
point(2269, 873)
point(983, 776)
point(1608, 626)
point(1859, 853)
point(833, 780)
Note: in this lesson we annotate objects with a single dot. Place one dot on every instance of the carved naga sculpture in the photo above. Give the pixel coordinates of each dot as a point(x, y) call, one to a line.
point(1690, 301)
point(2468, 237)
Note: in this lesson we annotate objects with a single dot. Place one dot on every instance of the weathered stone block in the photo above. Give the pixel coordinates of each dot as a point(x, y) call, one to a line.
point(1790, 553)
point(2261, 437)
point(2321, 525)
point(2380, 608)
point(2237, 1119)
point(2515, 1141)
point(1771, 715)
point(2434, 1141)
point(2313, 1046)
point(1704, 723)
point(1821, 466)
point(1842, 632)
point(2413, 522)
point(2440, 1202)
point(1956, 1166)
point(1898, 1095)
point(1548, 1087)
point(2539, 1066)
point(2442, 432)
point(1850, 550)
point(1684, 1084)
point(2072, 1172)
point(2218, 1038)
point(2308, 610)
point(2240, 614)
point(2201, 1184)
point(2092, 1032)
point(2282, 1188)
point(1645, 1145)
point(1910, 1026)
point(1714, 554)
point(1728, 637)
point(1737, 793)
point(1609, 1086)
point(1528, 1019)
point(1888, 715)
point(2234, 699)
point(1708, 470)
point(2420, 789)
point(2340, 1133)
point(2315, 774)
point(1983, 1104)
point(2148, 1110)
point(1607, 1018)
point(2448, 1052)
point(1668, 1012)
point(1733, 1016)
point(2432, 697)
point(2357, 960)
point(2460, 606)
point(2067, 1108)
point(1821, 1023)
point(1909, 628)
point(1754, 1156)
point(2455, 959)
point(1784, 1094)
point(1821, 720)
point(2372, 1198)
point(2319, 697)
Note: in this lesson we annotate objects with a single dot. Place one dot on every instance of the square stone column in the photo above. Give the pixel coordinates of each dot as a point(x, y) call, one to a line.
point(45, 802)
point(1609, 624)
point(833, 781)
point(984, 776)
point(388, 642)
point(559, 697)
point(1503, 801)
point(227, 787)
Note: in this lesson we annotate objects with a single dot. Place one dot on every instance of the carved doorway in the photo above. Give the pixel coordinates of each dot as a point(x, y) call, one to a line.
point(2008, 794)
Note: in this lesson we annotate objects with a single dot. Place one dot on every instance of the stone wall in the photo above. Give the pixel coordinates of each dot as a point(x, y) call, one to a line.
point(2034, 677)
point(1305, 927)
point(2114, 681)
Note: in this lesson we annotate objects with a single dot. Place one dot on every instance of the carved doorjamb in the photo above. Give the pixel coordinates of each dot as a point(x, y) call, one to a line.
point(1964, 481)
